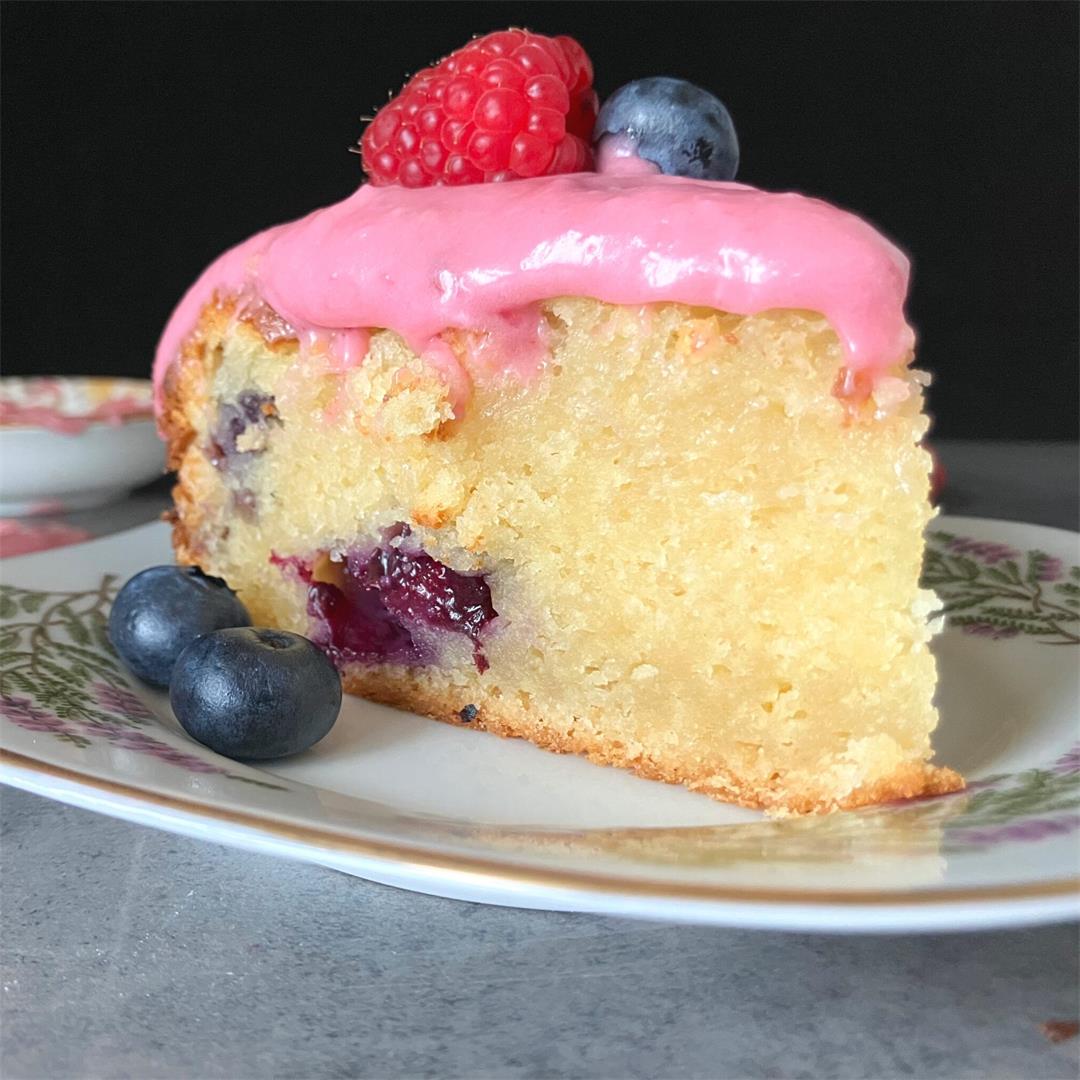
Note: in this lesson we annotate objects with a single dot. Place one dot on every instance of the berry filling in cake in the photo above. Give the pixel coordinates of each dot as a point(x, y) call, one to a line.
point(391, 604)
point(241, 429)
point(552, 430)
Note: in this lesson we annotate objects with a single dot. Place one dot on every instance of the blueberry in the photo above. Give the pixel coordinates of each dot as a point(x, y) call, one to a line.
point(161, 611)
point(250, 411)
point(254, 693)
point(684, 130)
point(387, 595)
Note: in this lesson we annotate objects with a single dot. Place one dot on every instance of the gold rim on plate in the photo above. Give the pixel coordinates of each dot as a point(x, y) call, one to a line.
point(481, 869)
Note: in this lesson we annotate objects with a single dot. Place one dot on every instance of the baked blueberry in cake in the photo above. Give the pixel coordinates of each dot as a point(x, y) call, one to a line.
point(552, 430)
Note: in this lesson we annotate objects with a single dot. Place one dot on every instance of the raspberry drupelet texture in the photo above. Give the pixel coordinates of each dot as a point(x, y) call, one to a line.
point(507, 106)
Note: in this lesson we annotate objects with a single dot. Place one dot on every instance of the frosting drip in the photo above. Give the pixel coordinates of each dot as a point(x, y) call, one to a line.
point(476, 257)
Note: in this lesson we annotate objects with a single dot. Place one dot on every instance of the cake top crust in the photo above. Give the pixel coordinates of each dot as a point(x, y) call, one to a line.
point(421, 261)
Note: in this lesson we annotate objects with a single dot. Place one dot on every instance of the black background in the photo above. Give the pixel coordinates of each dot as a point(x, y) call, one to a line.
point(140, 139)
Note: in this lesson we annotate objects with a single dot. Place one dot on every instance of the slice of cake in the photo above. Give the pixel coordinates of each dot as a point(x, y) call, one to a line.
point(621, 462)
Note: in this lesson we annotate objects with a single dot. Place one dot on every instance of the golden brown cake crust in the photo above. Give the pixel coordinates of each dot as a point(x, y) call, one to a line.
point(410, 690)
point(185, 395)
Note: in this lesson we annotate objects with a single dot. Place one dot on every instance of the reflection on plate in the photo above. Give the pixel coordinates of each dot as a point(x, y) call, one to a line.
point(398, 799)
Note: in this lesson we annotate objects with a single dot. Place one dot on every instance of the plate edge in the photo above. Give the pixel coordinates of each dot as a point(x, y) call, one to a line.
point(481, 869)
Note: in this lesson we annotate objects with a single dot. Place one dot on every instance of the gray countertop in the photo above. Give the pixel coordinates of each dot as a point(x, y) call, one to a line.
point(133, 953)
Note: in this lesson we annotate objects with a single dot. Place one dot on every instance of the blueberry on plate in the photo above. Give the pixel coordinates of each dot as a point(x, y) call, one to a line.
point(682, 129)
point(161, 611)
point(254, 693)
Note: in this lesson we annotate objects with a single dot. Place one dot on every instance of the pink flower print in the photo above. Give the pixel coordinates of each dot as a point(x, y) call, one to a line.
point(1020, 832)
point(984, 550)
point(1051, 569)
point(120, 700)
point(141, 743)
point(1068, 762)
point(28, 716)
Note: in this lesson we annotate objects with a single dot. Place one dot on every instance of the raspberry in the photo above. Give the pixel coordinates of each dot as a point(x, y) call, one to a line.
point(506, 106)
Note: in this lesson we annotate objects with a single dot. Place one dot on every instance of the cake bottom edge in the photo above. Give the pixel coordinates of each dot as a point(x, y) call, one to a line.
point(406, 690)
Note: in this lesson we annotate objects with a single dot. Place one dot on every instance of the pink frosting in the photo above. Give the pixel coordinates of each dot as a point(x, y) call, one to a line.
point(617, 155)
point(480, 257)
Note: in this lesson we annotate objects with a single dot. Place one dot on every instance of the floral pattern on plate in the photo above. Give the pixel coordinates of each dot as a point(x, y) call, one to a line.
point(992, 590)
point(59, 674)
point(72, 719)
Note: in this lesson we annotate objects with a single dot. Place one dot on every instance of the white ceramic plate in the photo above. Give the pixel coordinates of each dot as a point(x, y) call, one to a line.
point(71, 443)
point(401, 800)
